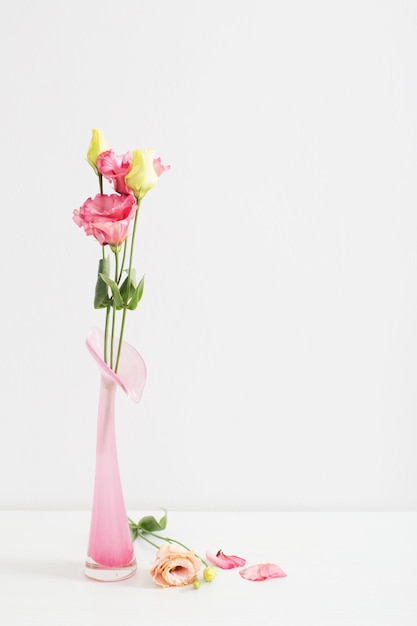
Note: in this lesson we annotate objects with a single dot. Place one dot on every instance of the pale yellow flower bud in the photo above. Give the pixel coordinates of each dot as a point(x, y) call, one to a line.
point(196, 583)
point(141, 176)
point(97, 145)
point(209, 574)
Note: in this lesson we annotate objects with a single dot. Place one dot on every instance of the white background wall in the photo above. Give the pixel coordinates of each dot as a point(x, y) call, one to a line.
point(279, 317)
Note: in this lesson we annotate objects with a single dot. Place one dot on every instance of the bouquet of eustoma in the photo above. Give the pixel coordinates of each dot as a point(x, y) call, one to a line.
point(112, 220)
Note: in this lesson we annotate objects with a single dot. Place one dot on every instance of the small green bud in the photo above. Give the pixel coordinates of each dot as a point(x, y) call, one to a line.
point(196, 583)
point(209, 574)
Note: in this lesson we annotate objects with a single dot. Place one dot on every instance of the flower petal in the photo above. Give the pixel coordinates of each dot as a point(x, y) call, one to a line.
point(224, 561)
point(114, 167)
point(159, 168)
point(263, 571)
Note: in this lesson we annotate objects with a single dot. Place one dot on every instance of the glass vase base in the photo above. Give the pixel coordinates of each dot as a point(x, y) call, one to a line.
point(107, 574)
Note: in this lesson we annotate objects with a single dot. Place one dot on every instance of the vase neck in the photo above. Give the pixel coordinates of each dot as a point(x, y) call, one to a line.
point(106, 435)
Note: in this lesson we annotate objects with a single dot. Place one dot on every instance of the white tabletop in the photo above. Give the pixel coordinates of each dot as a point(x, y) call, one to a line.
point(356, 569)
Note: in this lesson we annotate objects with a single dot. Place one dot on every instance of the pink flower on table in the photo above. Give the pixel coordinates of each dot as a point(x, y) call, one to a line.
point(262, 571)
point(225, 562)
point(107, 218)
point(114, 167)
point(173, 568)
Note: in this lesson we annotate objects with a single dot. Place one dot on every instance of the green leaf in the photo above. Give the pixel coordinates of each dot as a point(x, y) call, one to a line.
point(115, 291)
point(149, 524)
point(128, 286)
point(137, 295)
point(101, 299)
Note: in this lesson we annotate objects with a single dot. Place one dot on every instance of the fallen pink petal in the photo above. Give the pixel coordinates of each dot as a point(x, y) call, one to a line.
point(224, 561)
point(262, 571)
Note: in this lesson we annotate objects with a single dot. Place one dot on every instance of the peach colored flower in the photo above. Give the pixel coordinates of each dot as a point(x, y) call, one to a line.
point(114, 167)
point(262, 571)
point(173, 568)
point(225, 562)
point(107, 218)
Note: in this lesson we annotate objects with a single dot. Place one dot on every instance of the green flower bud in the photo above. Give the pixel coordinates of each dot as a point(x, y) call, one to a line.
point(196, 583)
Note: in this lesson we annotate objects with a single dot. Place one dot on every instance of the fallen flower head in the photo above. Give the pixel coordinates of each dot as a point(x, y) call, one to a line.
point(173, 568)
point(263, 571)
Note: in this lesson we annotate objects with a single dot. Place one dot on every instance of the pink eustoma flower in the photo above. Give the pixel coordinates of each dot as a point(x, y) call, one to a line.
point(224, 561)
point(107, 218)
point(114, 167)
point(262, 572)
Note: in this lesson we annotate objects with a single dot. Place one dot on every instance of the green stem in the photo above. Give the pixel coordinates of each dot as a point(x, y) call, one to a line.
point(113, 324)
point(100, 182)
point(148, 540)
point(122, 328)
point(116, 273)
point(170, 540)
point(106, 327)
point(106, 333)
point(123, 261)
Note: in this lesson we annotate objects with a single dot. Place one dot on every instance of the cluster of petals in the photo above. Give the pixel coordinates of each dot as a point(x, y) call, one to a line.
point(107, 217)
point(114, 168)
point(141, 168)
point(173, 568)
point(224, 561)
point(263, 571)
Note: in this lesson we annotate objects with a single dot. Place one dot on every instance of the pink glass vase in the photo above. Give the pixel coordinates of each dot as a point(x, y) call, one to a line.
point(110, 554)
